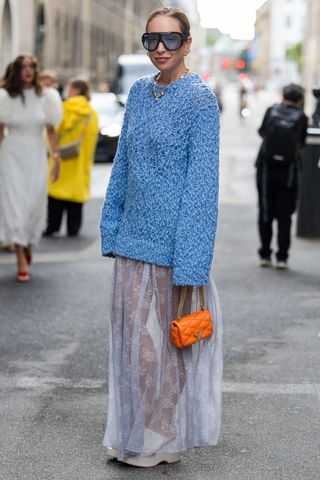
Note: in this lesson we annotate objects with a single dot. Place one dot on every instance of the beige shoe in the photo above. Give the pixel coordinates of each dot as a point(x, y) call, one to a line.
point(147, 461)
point(265, 263)
point(282, 265)
point(111, 452)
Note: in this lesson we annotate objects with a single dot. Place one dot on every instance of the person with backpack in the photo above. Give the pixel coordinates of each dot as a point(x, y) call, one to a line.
point(284, 130)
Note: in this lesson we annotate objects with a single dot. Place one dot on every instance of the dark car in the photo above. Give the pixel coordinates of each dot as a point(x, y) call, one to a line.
point(110, 114)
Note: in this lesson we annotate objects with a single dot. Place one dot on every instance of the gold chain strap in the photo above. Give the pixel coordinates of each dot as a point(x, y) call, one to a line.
point(183, 299)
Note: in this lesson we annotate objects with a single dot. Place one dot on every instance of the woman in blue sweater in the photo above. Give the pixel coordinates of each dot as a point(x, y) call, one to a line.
point(159, 221)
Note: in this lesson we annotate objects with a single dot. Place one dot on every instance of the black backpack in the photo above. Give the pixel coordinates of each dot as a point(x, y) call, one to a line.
point(282, 135)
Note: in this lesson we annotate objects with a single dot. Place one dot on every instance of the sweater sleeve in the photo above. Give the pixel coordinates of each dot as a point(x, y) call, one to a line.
point(198, 214)
point(115, 195)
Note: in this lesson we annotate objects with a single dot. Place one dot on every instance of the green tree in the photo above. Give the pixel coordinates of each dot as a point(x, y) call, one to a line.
point(210, 39)
point(295, 54)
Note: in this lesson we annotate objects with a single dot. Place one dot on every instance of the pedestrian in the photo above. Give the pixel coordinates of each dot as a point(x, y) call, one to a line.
point(48, 79)
point(6, 245)
point(71, 191)
point(159, 222)
point(243, 103)
point(218, 92)
point(25, 110)
point(284, 130)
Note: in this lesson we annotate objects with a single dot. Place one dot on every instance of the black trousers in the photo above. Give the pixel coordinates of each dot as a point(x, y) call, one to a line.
point(56, 208)
point(277, 201)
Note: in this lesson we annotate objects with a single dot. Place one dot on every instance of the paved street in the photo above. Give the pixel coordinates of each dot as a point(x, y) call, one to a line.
point(53, 346)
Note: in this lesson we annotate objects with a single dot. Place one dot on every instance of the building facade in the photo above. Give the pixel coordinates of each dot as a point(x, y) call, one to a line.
point(81, 37)
point(262, 64)
point(280, 25)
point(16, 29)
point(198, 33)
point(73, 37)
point(311, 52)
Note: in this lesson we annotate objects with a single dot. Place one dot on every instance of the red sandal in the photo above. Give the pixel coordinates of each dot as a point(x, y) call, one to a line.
point(23, 277)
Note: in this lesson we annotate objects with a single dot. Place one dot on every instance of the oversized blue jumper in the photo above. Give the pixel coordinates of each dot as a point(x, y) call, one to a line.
point(161, 204)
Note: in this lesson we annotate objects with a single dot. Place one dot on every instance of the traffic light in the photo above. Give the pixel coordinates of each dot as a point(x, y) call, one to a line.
point(226, 63)
point(240, 64)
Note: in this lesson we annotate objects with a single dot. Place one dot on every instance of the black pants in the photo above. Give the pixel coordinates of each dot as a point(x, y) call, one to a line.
point(55, 213)
point(277, 201)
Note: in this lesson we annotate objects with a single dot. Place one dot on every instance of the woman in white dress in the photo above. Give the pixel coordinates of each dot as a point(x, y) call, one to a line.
point(25, 111)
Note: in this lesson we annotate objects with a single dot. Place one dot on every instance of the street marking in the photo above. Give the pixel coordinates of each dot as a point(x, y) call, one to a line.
point(92, 252)
point(273, 388)
point(34, 383)
point(38, 383)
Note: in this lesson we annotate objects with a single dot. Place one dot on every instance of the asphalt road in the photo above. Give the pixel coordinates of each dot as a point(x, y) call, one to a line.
point(53, 348)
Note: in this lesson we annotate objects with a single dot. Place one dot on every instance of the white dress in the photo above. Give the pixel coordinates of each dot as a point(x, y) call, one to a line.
point(24, 164)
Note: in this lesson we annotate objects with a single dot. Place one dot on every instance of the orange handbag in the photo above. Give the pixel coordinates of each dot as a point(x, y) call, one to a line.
point(193, 327)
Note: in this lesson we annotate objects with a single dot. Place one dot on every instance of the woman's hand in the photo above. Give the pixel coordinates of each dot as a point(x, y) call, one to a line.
point(53, 142)
point(55, 171)
point(1, 133)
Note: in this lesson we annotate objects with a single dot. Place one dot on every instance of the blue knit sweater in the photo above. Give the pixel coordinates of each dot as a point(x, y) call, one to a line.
point(161, 202)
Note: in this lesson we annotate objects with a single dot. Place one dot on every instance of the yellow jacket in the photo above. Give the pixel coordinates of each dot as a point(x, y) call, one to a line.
point(74, 180)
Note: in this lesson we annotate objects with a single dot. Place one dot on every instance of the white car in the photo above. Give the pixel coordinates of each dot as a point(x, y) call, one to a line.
point(110, 115)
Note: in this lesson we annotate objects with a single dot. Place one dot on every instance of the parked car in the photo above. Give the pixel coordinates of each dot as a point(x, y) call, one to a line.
point(110, 115)
point(110, 106)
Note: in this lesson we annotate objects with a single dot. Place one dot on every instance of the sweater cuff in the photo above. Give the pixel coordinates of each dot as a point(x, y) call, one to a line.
point(107, 245)
point(183, 278)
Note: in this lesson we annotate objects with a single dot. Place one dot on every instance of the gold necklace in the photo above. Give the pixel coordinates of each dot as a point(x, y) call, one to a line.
point(157, 95)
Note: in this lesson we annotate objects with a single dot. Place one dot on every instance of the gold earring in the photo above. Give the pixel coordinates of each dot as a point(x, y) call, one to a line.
point(187, 53)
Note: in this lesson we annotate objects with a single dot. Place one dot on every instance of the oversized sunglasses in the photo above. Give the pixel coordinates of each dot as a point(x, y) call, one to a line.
point(171, 40)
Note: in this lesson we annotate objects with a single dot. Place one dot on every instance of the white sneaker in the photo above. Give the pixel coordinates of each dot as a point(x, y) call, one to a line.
point(147, 461)
point(265, 262)
point(282, 265)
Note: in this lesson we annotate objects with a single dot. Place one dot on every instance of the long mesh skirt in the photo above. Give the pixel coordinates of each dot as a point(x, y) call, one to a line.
point(161, 399)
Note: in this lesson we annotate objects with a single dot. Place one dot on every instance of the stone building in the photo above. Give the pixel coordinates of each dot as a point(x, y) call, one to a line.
point(280, 25)
point(262, 64)
point(311, 52)
point(73, 37)
point(198, 33)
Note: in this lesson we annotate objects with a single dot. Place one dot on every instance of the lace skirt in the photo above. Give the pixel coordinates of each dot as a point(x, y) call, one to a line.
point(161, 399)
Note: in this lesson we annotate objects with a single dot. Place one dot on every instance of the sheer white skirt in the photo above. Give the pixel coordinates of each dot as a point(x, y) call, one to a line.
point(161, 399)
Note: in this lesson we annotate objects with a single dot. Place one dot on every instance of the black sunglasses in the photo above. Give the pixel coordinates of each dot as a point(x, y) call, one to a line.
point(171, 40)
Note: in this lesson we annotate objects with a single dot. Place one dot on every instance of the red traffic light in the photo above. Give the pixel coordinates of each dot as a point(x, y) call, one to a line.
point(240, 64)
point(226, 63)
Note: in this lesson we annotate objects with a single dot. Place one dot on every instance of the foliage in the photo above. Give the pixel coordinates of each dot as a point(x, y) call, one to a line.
point(210, 39)
point(295, 54)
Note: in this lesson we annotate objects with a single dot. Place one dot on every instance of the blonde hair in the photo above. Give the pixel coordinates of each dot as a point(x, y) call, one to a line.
point(48, 74)
point(175, 13)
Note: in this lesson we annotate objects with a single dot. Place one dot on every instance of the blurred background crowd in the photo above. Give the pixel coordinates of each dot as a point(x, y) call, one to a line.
point(100, 40)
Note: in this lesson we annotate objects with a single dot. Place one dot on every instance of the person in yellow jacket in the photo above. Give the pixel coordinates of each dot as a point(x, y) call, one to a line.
point(71, 190)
